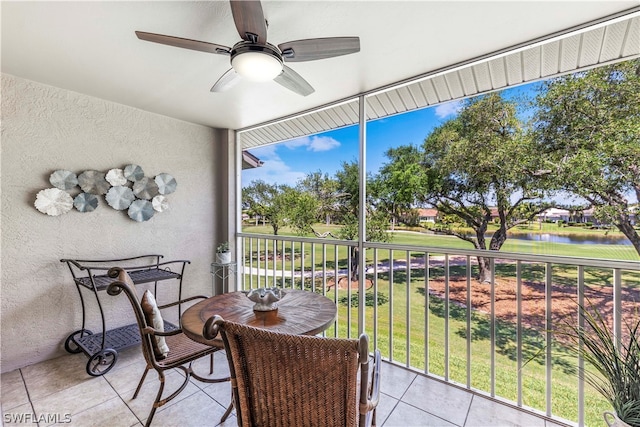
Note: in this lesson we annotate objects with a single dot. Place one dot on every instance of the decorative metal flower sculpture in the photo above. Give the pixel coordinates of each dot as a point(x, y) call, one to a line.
point(266, 299)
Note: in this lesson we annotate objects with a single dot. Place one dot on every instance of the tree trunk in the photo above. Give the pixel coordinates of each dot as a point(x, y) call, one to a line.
point(484, 270)
point(628, 230)
point(484, 265)
point(354, 262)
point(498, 239)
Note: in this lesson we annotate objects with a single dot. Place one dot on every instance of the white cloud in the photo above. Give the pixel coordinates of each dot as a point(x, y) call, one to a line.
point(448, 109)
point(265, 151)
point(322, 143)
point(298, 142)
point(313, 143)
point(273, 170)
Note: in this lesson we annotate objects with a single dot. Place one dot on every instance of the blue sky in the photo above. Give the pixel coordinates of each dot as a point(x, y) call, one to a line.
point(287, 162)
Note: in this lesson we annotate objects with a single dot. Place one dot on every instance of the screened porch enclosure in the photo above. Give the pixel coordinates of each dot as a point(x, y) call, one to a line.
point(423, 306)
point(494, 339)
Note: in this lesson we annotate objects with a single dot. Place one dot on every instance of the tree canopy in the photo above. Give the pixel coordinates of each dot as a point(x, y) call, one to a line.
point(487, 165)
point(325, 190)
point(587, 127)
point(398, 182)
point(480, 165)
point(281, 205)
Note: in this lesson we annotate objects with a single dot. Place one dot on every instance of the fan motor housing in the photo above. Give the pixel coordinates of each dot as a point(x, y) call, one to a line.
point(255, 61)
point(245, 46)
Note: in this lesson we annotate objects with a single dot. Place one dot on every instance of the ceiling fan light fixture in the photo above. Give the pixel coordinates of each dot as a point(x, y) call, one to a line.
point(258, 63)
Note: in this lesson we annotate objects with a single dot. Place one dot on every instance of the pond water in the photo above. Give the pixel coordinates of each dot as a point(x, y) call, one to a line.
point(575, 239)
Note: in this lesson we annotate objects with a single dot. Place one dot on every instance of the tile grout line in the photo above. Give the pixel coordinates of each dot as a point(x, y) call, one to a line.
point(420, 409)
point(466, 418)
point(390, 412)
point(123, 401)
point(26, 389)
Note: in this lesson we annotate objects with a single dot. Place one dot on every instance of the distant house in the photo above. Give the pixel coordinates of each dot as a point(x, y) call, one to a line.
point(554, 215)
point(494, 213)
point(428, 215)
point(587, 216)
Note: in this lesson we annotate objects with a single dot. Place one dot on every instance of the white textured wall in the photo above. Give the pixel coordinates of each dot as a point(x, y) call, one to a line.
point(45, 128)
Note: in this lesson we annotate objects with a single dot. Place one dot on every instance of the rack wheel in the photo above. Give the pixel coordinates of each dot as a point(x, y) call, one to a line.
point(101, 362)
point(71, 345)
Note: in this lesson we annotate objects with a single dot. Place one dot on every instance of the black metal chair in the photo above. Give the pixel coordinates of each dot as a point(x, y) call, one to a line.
point(181, 349)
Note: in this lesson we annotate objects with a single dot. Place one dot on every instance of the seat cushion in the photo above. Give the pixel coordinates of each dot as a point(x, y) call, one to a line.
point(154, 319)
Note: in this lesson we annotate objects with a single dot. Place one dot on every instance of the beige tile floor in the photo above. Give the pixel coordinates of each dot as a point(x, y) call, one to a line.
point(59, 392)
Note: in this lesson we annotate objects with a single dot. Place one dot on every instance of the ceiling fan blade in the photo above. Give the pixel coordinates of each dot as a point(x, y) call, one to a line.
point(227, 81)
point(184, 43)
point(312, 49)
point(294, 81)
point(249, 19)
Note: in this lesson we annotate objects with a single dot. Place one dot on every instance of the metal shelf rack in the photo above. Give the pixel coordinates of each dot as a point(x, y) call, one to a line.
point(221, 271)
point(102, 348)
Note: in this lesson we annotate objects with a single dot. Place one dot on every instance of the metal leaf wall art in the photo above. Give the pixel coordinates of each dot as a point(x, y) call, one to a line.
point(124, 189)
point(116, 177)
point(53, 201)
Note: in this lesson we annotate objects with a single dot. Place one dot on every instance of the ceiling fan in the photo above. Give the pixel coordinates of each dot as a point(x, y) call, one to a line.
point(255, 59)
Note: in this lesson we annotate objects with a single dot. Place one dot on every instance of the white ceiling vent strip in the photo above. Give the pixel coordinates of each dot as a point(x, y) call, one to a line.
point(497, 73)
point(455, 87)
point(418, 95)
point(591, 47)
point(570, 53)
point(613, 39)
point(531, 60)
point(633, 38)
point(482, 75)
point(468, 81)
point(550, 59)
point(429, 91)
point(409, 101)
point(607, 43)
point(514, 69)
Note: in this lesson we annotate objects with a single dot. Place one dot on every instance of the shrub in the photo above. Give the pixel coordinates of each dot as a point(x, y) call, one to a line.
point(369, 299)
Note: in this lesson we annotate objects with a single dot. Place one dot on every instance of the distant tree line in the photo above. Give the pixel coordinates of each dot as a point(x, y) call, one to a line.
point(581, 137)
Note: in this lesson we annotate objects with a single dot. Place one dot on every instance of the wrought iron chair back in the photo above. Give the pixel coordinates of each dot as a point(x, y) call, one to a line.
point(182, 350)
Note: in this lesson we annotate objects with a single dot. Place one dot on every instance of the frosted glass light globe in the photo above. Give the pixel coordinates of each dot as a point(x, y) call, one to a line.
point(256, 66)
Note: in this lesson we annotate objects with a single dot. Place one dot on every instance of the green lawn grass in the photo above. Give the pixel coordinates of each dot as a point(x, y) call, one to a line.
point(393, 326)
point(606, 251)
point(408, 316)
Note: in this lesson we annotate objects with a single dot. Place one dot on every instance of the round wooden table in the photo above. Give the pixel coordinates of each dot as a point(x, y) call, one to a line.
point(299, 312)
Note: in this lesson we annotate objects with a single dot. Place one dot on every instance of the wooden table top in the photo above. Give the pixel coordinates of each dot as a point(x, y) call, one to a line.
point(299, 312)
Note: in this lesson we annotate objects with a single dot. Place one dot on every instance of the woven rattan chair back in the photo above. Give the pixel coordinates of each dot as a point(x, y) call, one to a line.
point(182, 350)
point(297, 380)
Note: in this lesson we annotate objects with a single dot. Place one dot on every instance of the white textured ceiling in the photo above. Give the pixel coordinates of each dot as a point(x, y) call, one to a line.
point(90, 47)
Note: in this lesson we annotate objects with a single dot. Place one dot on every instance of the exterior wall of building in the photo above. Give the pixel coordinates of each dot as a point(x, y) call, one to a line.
point(46, 128)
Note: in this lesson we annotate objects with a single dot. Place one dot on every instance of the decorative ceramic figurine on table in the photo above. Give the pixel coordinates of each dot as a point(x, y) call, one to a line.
point(266, 299)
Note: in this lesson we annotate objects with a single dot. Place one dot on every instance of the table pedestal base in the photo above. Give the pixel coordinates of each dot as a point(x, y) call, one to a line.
point(270, 316)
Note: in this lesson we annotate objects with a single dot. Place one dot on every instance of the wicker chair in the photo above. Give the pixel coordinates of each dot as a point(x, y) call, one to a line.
point(182, 350)
point(298, 380)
